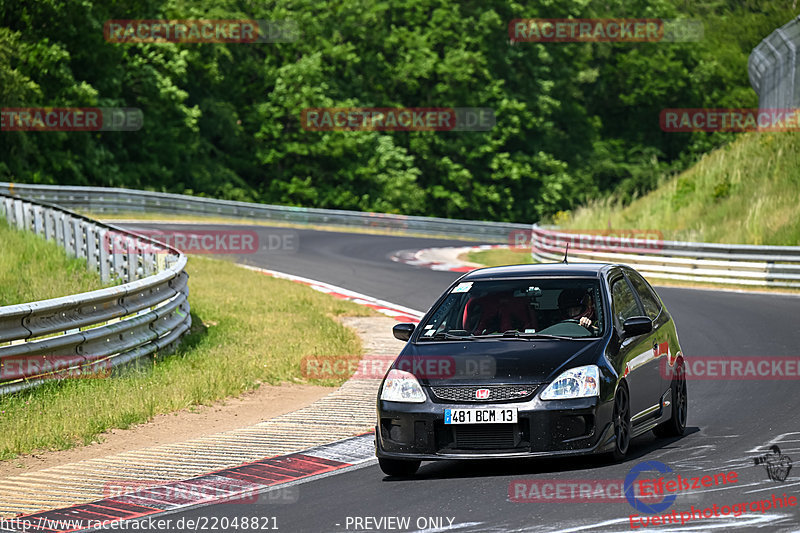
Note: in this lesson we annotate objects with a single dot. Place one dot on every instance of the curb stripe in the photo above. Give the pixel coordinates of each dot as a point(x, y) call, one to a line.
point(415, 257)
point(232, 485)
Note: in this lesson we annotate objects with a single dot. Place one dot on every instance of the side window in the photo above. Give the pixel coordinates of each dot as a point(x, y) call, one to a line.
point(651, 303)
point(623, 303)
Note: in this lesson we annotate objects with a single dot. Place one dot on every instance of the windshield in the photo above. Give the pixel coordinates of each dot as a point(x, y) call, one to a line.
point(532, 307)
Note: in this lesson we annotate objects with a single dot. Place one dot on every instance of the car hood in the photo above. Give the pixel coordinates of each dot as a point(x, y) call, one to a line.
point(482, 362)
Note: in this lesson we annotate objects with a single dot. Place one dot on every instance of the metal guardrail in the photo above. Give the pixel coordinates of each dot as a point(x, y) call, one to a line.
point(737, 264)
point(88, 334)
point(748, 265)
point(774, 68)
point(101, 200)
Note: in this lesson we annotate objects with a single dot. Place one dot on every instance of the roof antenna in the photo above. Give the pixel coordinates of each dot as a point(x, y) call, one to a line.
point(565, 255)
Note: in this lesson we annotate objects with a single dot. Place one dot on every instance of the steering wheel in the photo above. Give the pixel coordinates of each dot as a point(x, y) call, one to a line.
point(576, 321)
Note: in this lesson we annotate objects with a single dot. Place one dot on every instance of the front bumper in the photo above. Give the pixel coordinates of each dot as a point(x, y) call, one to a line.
point(543, 428)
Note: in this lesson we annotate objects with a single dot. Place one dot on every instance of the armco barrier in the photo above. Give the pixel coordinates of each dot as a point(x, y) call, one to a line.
point(746, 265)
point(736, 264)
point(84, 333)
point(101, 199)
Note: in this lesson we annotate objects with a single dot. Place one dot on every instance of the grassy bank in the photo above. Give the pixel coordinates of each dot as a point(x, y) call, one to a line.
point(248, 329)
point(32, 268)
point(747, 192)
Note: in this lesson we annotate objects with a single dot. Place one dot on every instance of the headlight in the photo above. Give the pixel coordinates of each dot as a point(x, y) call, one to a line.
point(401, 386)
point(580, 382)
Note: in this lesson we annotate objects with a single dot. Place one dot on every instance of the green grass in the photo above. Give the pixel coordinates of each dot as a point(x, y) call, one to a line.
point(247, 329)
point(747, 192)
point(32, 268)
point(500, 257)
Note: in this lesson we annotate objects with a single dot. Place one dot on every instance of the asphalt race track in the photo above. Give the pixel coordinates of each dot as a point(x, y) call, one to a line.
point(731, 422)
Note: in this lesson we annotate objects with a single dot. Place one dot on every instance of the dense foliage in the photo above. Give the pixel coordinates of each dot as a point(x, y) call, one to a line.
point(573, 120)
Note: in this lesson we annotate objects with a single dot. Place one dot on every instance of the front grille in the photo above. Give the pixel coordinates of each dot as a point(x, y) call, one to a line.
point(497, 393)
point(485, 436)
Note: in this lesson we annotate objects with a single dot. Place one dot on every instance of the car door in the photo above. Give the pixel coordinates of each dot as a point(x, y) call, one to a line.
point(653, 309)
point(636, 352)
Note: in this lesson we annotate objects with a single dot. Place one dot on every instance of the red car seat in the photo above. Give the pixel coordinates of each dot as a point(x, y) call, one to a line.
point(498, 313)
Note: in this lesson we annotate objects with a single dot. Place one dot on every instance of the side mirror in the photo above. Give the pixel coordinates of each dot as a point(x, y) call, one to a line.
point(403, 331)
point(637, 325)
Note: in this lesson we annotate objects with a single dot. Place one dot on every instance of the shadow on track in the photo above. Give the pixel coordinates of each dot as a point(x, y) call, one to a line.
point(477, 468)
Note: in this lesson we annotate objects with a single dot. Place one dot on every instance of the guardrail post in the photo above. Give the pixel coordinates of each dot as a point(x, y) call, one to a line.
point(27, 216)
point(69, 238)
point(92, 253)
point(19, 219)
point(133, 260)
point(38, 220)
point(149, 263)
point(58, 221)
point(80, 245)
point(104, 260)
point(49, 224)
point(118, 256)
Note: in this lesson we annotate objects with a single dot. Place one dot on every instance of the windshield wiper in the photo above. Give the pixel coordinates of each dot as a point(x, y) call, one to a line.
point(549, 336)
point(510, 335)
point(515, 334)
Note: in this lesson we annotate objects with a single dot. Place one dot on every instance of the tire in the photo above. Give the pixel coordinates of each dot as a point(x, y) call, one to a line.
point(398, 467)
point(622, 423)
point(676, 425)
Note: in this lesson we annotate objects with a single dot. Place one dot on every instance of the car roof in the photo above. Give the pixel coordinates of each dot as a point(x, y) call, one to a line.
point(541, 269)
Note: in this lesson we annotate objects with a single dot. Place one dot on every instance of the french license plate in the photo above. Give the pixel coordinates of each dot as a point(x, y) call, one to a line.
point(481, 416)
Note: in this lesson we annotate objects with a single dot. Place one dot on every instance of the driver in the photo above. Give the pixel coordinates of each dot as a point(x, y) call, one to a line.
point(577, 304)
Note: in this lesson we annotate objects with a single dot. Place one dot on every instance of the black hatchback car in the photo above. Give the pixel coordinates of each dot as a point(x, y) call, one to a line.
point(533, 360)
